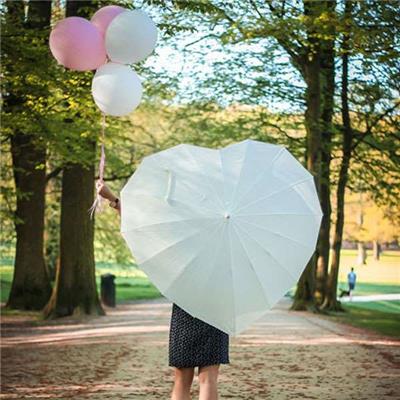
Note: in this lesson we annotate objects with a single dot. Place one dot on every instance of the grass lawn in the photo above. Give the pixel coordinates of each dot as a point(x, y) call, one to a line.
point(136, 288)
point(365, 288)
point(376, 277)
point(378, 317)
point(384, 271)
point(392, 306)
point(131, 283)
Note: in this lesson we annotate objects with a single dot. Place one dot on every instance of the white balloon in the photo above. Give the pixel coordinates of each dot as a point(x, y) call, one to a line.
point(116, 89)
point(130, 37)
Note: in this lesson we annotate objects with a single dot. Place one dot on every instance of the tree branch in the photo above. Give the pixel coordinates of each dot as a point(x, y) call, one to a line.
point(53, 173)
point(368, 132)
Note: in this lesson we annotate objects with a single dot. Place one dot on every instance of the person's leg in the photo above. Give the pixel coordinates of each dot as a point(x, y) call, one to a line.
point(208, 380)
point(182, 383)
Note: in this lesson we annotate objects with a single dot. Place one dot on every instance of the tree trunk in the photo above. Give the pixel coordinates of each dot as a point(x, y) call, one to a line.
point(330, 301)
point(75, 291)
point(376, 250)
point(362, 253)
point(30, 289)
point(327, 94)
point(304, 295)
point(311, 69)
point(52, 230)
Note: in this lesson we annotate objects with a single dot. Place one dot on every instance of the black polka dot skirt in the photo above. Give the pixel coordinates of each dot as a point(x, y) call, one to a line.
point(195, 343)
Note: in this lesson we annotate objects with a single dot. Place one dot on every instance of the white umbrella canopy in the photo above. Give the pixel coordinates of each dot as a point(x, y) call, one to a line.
point(223, 233)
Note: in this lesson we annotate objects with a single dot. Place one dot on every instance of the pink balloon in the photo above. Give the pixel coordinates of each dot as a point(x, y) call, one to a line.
point(77, 44)
point(102, 18)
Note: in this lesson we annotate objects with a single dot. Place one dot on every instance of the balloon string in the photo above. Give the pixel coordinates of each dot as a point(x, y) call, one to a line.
point(98, 202)
point(103, 154)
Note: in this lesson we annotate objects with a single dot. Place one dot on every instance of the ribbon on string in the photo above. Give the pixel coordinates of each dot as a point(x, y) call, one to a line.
point(98, 201)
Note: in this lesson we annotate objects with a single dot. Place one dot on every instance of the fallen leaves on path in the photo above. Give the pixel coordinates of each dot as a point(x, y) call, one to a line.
point(123, 355)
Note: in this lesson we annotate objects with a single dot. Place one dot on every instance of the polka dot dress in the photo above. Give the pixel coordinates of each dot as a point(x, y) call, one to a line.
point(195, 343)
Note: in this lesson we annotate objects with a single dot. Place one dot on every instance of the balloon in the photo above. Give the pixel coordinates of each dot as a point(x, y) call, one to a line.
point(116, 89)
point(77, 44)
point(102, 18)
point(130, 37)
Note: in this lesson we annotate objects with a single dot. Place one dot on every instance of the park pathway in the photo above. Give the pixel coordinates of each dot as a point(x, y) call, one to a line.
point(372, 297)
point(286, 355)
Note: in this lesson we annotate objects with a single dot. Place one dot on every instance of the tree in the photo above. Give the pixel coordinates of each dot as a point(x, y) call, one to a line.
point(328, 73)
point(305, 31)
point(31, 287)
point(369, 32)
point(75, 289)
point(315, 61)
point(330, 300)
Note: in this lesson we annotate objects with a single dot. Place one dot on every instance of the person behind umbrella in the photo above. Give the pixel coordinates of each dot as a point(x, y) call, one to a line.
point(351, 279)
point(192, 343)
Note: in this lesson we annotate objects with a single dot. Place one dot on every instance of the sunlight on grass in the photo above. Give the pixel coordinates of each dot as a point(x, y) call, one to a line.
point(131, 282)
point(386, 270)
point(371, 317)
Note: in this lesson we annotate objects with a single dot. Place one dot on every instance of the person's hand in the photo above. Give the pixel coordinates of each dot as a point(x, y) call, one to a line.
point(104, 191)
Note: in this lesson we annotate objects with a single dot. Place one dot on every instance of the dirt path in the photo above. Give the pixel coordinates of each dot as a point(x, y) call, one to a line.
point(286, 355)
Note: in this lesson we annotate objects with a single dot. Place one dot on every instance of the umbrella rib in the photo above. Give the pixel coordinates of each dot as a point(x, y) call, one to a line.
point(280, 213)
point(172, 245)
point(274, 193)
point(213, 264)
point(252, 266)
point(194, 257)
point(187, 205)
point(192, 188)
point(267, 168)
point(277, 234)
point(266, 251)
point(305, 200)
point(166, 223)
point(182, 182)
point(241, 172)
point(206, 176)
point(233, 284)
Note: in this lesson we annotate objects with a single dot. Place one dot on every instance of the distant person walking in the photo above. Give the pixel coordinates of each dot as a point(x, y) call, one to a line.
point(351, 279)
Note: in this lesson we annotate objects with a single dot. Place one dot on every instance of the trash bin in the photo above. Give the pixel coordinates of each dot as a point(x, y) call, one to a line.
point(107, 291)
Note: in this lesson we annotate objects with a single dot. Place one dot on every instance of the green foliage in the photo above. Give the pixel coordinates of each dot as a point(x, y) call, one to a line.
point(244, 81)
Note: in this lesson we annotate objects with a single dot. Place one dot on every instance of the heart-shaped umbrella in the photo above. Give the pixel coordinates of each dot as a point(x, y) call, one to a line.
point(223, 233)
